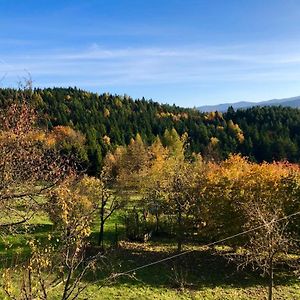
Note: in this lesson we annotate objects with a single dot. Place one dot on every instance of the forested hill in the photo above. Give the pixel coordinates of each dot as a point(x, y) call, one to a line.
point(262, 133)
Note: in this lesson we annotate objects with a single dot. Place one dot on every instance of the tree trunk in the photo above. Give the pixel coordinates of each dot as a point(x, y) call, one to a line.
point(179, 231)
point(67, 283)
point(101, 230)
point(157, 222)
point(101, 234)
point(102, 220)
point(29, 284)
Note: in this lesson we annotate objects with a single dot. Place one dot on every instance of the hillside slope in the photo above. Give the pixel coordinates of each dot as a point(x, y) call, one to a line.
point(261, 133)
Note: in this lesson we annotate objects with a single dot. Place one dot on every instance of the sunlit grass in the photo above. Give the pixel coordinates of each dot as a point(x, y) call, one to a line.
point(205, 274)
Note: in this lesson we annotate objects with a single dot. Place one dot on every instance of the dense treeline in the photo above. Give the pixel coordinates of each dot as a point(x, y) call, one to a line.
point(261, 133)
point(271, 132)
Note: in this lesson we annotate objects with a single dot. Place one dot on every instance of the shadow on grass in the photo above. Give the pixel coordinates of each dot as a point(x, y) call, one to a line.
point(41, 228)
point(14, 248)
point(200, 269)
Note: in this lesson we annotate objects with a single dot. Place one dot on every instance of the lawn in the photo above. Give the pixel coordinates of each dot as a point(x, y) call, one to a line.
point(203, 274)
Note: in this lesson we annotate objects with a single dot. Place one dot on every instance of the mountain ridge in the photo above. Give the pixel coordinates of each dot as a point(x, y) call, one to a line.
point(293, 102)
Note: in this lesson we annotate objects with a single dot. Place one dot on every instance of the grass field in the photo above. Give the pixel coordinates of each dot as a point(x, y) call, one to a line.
point(203, 274)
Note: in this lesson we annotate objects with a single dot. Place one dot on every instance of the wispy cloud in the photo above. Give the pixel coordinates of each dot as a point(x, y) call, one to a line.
point(155, 65)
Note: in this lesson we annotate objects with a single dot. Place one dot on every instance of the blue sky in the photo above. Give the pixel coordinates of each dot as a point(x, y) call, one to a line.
point(188, 52)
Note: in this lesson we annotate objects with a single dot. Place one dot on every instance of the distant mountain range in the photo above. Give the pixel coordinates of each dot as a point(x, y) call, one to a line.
point(291, 102)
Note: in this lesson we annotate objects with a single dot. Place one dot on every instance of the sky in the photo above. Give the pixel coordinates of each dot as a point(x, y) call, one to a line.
point(187, 52)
